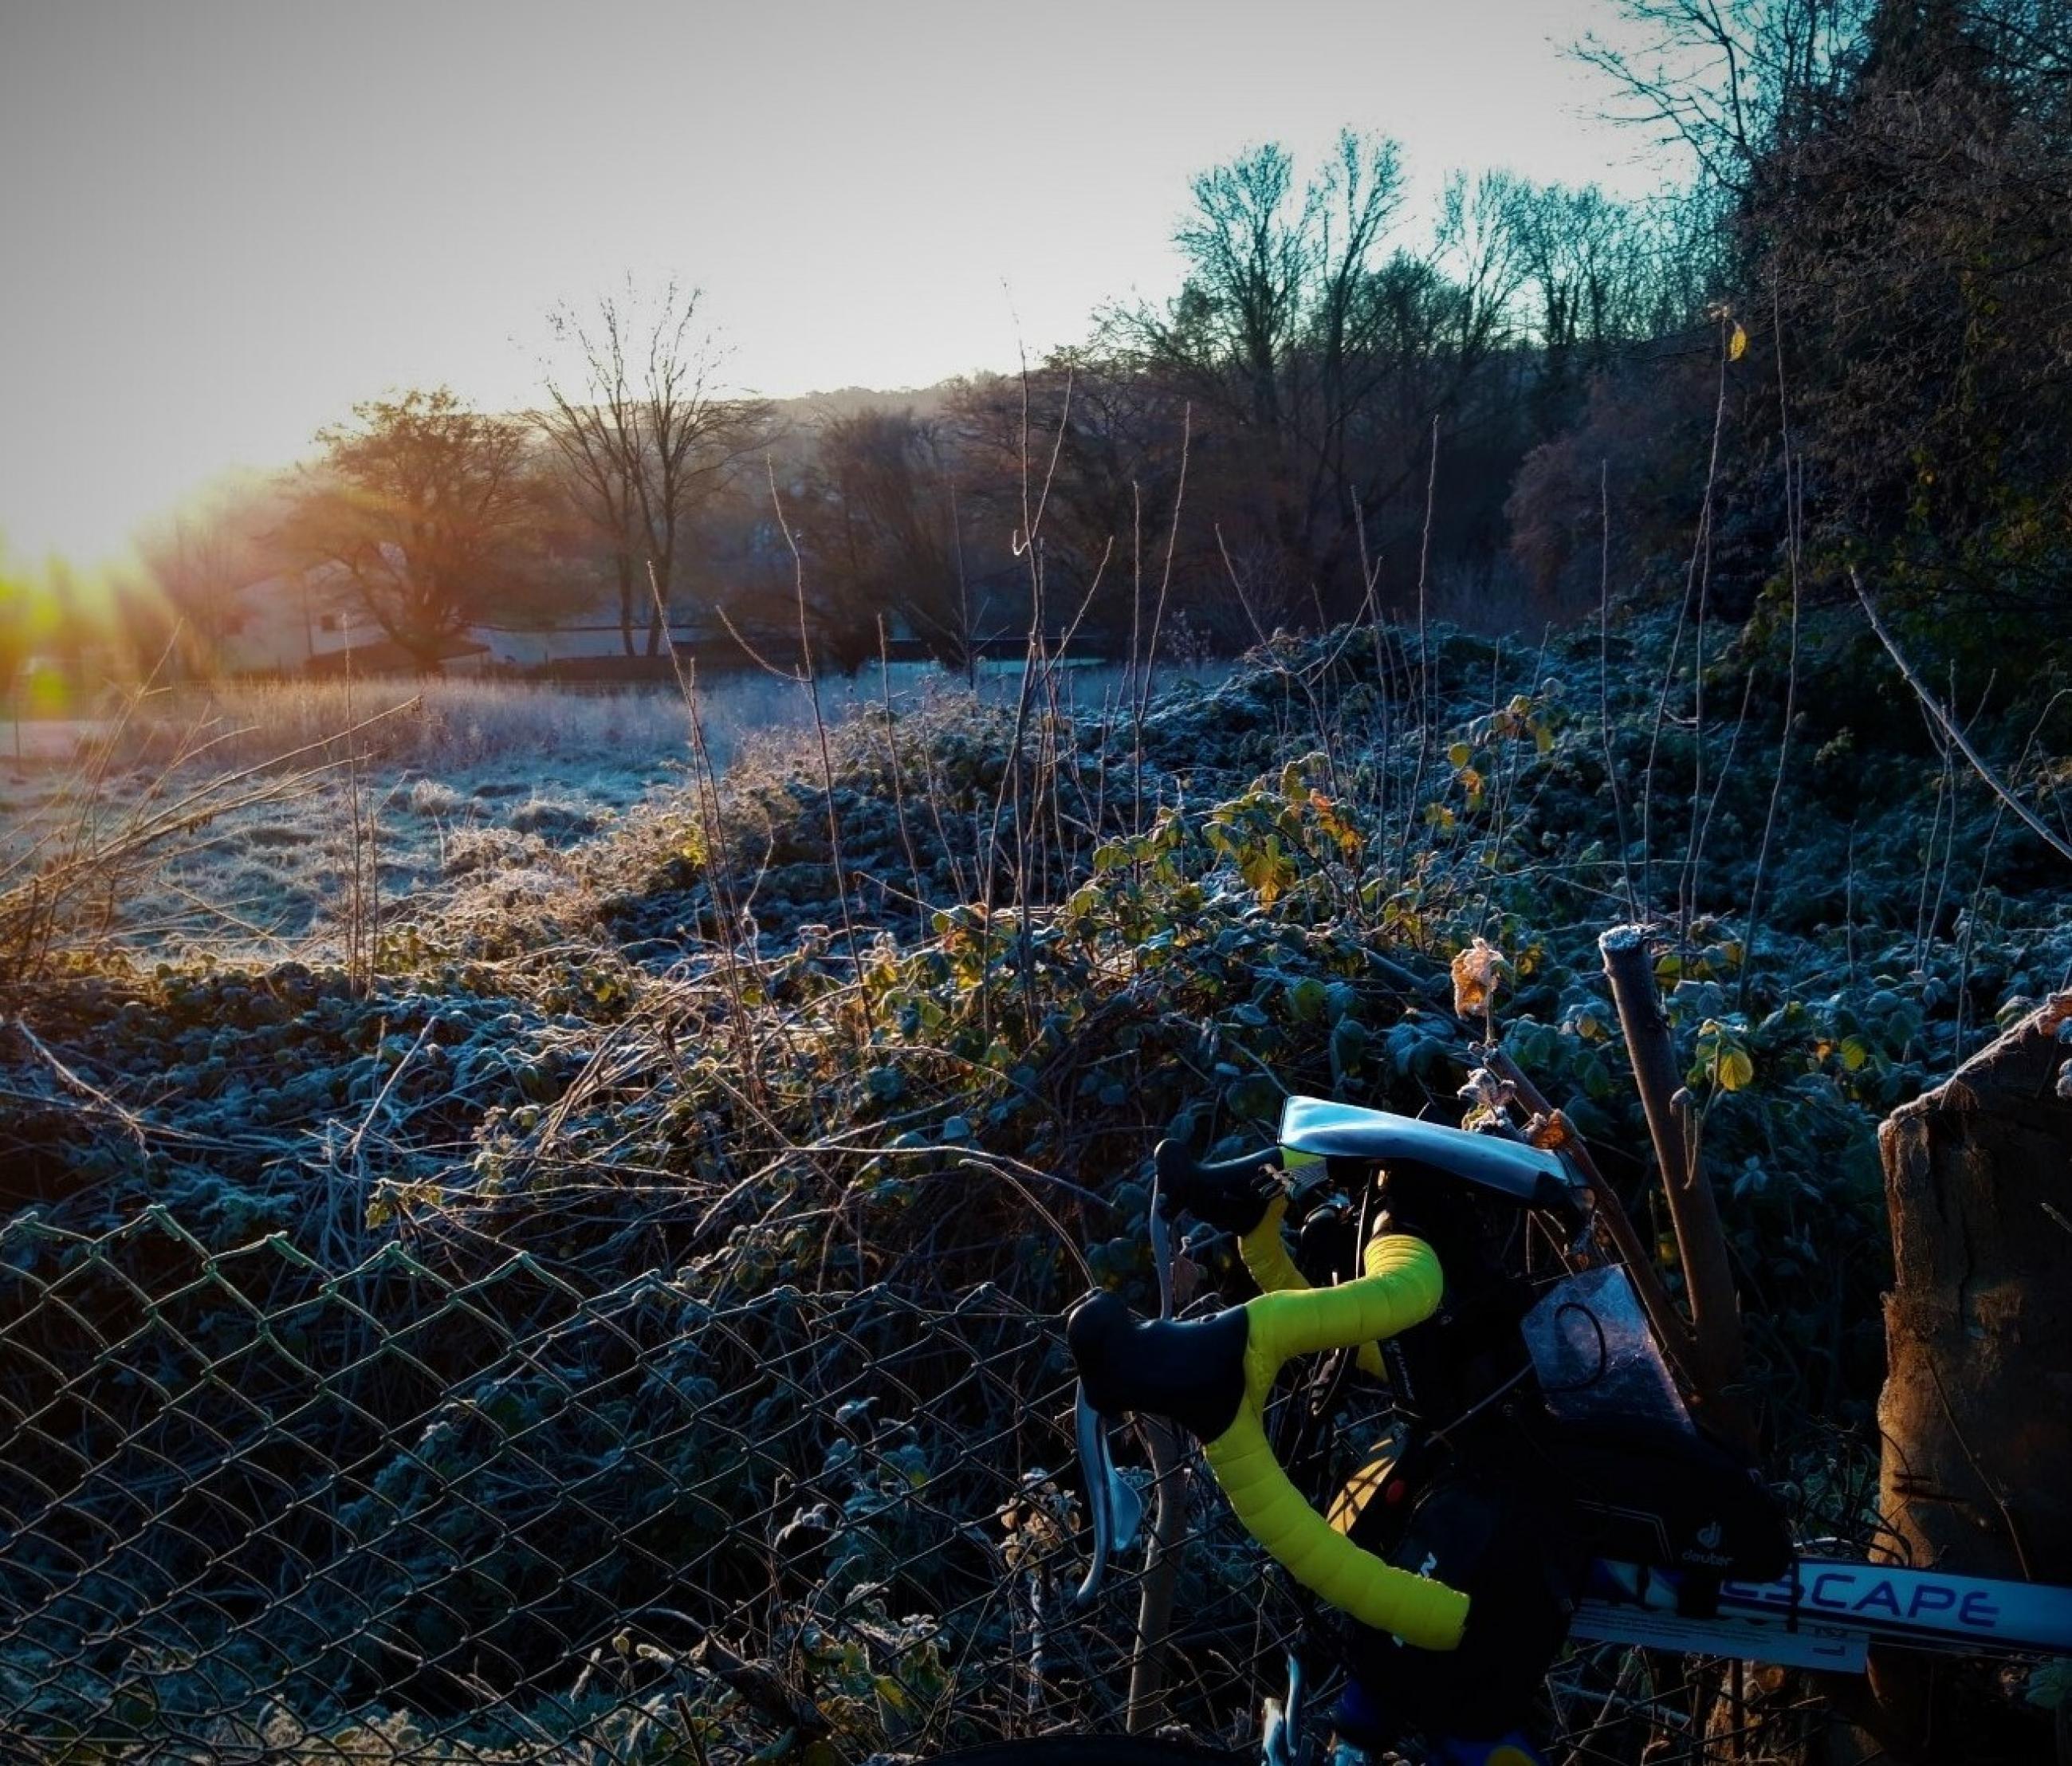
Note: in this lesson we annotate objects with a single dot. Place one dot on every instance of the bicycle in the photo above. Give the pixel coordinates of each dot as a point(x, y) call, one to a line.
point(1540, 1474)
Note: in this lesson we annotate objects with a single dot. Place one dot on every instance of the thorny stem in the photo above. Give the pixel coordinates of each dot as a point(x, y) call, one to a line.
point(1604, 683)
point(1687, 884)
point(812, 685)
point(1793, 493)
point(2035, 823)
point(1676, 646)
point(1425, 717)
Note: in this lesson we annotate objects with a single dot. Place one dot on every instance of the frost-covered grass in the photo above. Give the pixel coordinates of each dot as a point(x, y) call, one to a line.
point(443, 722)
point(388, 781)
point(434, 724)
point(426, 780)
point(268, 874)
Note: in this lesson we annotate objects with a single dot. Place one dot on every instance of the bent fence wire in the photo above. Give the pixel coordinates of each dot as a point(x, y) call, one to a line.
point(255, 1509)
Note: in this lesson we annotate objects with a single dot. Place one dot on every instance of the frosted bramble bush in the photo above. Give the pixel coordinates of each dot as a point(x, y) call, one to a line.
point(705, 1041)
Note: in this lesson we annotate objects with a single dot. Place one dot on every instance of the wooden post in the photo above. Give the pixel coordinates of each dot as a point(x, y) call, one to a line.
point(1976, 1412)
point(1701, 1242)
point(1976, 1416)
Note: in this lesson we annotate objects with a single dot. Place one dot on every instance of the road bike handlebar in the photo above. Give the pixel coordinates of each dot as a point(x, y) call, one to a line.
point(1213, 1375)
point(1245, 1196)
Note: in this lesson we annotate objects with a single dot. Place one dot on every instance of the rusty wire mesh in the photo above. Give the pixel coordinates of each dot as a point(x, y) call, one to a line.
point(255, 1509)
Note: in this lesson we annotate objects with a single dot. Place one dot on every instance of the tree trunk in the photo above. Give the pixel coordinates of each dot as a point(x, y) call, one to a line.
point(623, 563)
point(1976, 1413)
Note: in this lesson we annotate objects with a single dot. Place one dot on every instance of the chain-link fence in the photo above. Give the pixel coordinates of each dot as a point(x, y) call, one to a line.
point(255, 1509)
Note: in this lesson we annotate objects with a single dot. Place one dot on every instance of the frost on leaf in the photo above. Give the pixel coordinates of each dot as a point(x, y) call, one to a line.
point(1479, 972)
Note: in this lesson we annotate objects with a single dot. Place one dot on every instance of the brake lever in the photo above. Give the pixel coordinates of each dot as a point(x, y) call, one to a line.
point(1283, 1737)
point(1114, 1507)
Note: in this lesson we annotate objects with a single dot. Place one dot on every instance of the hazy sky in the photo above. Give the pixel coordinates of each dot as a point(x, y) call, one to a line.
point(222, 223)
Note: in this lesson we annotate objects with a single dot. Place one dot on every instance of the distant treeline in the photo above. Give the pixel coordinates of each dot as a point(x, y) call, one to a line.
point(1845, 343)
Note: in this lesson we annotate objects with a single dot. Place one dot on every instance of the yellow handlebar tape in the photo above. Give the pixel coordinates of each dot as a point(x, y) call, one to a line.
point(1265, 1254)
point(1401, 1287)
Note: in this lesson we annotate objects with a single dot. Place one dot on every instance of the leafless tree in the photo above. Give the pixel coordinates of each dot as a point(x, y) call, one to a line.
point(1106, 439)
point(1729, 80)
point(1317, 355)
point(198, 563)
point(890, 535)
point(1894, 180)
point(644, 439)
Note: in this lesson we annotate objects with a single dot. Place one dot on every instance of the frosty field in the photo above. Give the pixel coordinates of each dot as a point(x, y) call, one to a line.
point(440, 783)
